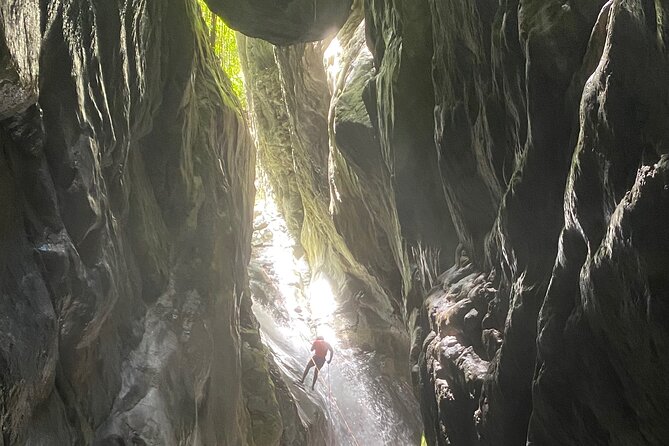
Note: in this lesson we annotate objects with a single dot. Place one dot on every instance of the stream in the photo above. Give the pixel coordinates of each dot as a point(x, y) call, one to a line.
point(364, 407)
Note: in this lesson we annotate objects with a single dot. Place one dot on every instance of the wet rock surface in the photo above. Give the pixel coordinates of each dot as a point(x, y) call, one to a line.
point(529, 97)
point(323, 198)
point(284, 22)
point(125, 224)
point(358, 398)
point(484, 182)
point(528, 134)
point(20, 23)
point(603, 309)
point(401, 106)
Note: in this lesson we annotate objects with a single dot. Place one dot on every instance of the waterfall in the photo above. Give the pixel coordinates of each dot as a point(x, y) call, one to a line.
point(362, 404)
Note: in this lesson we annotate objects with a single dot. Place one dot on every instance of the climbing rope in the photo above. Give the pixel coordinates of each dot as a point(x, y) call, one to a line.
point(333, 400)
point(329, 390)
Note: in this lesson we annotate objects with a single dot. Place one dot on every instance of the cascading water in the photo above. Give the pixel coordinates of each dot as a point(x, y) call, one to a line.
point(362, 405)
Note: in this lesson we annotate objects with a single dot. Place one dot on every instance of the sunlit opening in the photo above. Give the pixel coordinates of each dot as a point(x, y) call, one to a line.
point(323, 306)
point(311, 299)
point(361, 406)
point(332, 61)
point(289, 271)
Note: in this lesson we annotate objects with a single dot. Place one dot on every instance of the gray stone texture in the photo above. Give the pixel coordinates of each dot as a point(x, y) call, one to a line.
point(125, 219)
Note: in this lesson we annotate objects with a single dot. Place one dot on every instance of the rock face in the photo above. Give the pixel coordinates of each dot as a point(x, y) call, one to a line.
point(531, 135)
point(602, 326)
point(484, 181)
point(550, 129)
point(284, 22)
point(126, 189)
point(317, 189)
point(19, 55)
point(401, 106)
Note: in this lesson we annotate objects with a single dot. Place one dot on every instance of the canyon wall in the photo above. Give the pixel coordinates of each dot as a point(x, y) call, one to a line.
point(484, 182)
point(343, 214)
point(522, 144)
point(547, 329)
point(126, 195)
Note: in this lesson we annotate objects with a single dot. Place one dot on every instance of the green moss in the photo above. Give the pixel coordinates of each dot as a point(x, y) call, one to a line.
point(224, 42)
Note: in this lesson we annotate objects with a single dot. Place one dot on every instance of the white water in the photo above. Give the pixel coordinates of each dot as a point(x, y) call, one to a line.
point(364, 407)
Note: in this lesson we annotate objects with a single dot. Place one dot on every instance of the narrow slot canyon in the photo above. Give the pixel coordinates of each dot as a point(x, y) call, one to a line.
point(467, 199)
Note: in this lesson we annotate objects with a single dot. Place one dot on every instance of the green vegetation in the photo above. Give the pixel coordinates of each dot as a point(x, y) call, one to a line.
point(224, 42)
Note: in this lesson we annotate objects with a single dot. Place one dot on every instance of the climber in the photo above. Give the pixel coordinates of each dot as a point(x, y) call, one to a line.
point(320, 349)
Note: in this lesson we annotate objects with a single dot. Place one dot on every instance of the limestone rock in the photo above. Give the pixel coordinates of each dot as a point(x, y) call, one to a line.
point(284, 22)
point(125, 219)
point(488, 179)
point(401, 103)
point(550, 124)
point(19, 55)
point(290, 104)
point(602, 325)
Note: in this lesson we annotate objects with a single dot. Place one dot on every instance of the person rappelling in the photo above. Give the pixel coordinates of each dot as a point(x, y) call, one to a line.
point(320, 349)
